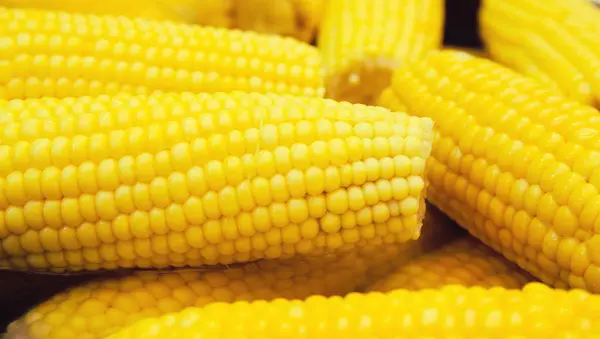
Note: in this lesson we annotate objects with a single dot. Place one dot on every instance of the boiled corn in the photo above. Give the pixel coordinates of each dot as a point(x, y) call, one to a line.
point(464, 262)
point(59, 54)
point(452, 311)
point(362, 42)
point(513, 162)
point(104, 306)
point(191, 179)
point(555, 41)
point(23, 290)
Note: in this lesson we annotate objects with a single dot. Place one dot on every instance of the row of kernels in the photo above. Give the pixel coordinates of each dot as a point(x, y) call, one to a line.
point(278, 176)
point(174, 251)
point(181, 139)
point(186, 65)
point(220, 112)
point(197, 203)
point(141, 225)
point(186, 123)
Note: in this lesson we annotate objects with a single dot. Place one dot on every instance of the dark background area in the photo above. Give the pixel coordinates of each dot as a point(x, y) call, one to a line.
point(461, 28)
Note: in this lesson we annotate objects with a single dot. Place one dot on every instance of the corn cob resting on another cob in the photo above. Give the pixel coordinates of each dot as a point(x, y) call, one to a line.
point(451, 311)
point(199, 179)
point(554, 41)
point(60, 54)
point(362, 42)
point(513, 162)
point(23, 290)
point(174, 10)
point(464, 262)
point(104, 306)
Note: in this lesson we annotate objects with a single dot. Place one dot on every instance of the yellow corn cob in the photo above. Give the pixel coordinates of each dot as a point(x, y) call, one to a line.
point(60, 54)
point(464, 262)
point(104, 306)
point(381, 260)
point(452, 311)
point(184, 179)
point(175, 10)
point(295, 18)
point(362, 42)
point(22, 290)
point(555, 41)
point(513, 162)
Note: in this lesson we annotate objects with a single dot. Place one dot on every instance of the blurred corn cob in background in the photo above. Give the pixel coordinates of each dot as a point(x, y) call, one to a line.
point(57, 54)
point(107, 304)
point(513, 162)
point(554, 41)
point(194, 179)
point(465, 262)
point(202, 12)
point(22, 290)
point(362, 42)
point(299, 19)
point(452, 311)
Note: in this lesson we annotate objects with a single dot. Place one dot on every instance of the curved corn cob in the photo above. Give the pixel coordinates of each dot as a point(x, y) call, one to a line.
point(362, 42)
point(175, 10)
point(184, 179)
point(100, 308)
point(296, 18)
point(452, 311)
point(555, 41)
point(22, 290)
point(103, 307)
point(59, 54)
point(464, 262)
point(513, 162)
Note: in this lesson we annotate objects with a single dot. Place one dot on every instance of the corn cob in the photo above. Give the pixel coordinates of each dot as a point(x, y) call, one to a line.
point(513, 162)
point(554, 41)
point(362, 42)
point(452, 311)
point(102, 307)
point(295, 278)
point(22, 290)
point(60, 54)
point(464, 262)
point(183, 179)
point(295, 18)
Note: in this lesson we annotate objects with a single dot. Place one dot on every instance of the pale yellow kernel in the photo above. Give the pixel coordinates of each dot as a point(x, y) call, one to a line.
point(212, 231)
point(309, 229)
point(278, 214)
point(297, 210)
point(315, 181)
point(317, 206)
point(565, 222)
point(337, 201)
point(331, 223)
point(261, 191)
